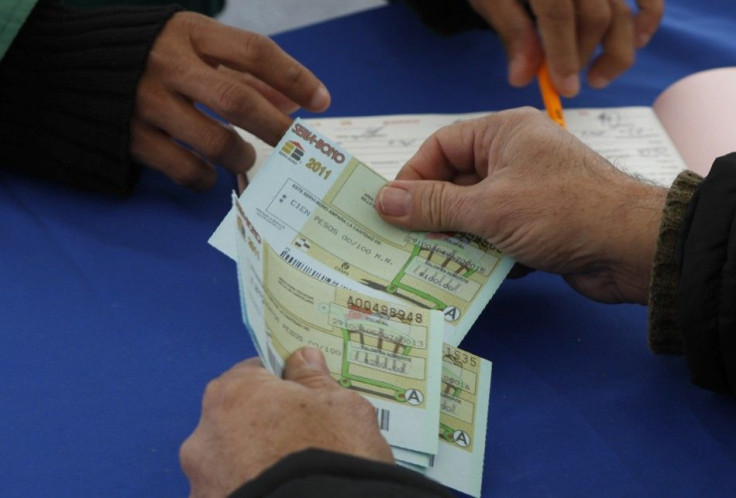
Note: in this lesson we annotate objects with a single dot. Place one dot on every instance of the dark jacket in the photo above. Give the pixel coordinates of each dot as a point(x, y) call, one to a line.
point(320, 474)
point(67, 93)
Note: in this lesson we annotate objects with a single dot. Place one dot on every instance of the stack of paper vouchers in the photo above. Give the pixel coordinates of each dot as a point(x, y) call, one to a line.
point(317, 266)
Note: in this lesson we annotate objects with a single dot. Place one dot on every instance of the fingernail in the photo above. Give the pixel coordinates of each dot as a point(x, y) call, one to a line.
point(313, 356)
point(516, 71)
point(598, 81)
point(394, 201)
point(570, 85)
point(642, 38)
point(320, 99)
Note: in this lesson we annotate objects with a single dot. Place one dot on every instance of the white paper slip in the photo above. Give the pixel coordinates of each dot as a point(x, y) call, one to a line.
point(466, 386)
point(631, 138)
point(417, 461)
point(383, 142)
point(314, 199)
point(388, 352)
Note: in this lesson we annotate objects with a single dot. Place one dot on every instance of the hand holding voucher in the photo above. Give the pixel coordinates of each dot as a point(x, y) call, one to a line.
point(533, 203)
point(251, 419)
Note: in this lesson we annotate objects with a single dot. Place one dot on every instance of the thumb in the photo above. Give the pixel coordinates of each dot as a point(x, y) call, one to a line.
point(429, 205)
point(307, 367)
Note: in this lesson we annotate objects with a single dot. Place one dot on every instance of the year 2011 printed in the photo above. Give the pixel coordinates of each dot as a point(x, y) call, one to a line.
point(318, 168)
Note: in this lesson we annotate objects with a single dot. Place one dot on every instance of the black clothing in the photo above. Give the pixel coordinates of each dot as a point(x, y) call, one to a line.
point(706, 294)
point(446, 16)
point(206, 7)
point(67, 92)
point(319, 474)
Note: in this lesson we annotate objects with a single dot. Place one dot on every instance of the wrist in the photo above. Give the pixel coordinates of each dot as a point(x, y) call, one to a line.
point(630, 241)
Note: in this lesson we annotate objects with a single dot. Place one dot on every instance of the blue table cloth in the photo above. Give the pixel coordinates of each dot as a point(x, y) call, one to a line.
point(115, 314)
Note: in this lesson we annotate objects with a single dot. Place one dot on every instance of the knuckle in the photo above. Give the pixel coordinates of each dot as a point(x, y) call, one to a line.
point(190, 25)
point(432, 205)
point(218, 143)
point(524, 120)
point(229, 96)
point(526, 113)
point(295, 76)
point(654, 10)
point(187, 20)
point(627, 59)
point(213, 394)
point(366, 411)
point(556, 12)
point(357, 405)
point(157, 60)
point(623, 9)
point(597, 19)
point(185, 453)
point(619, 60)
point(188, 459)
point(193, 178)
point(253, 46)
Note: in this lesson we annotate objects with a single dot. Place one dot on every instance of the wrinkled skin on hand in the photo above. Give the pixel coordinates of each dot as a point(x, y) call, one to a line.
point(537, 193)
point(251, 419)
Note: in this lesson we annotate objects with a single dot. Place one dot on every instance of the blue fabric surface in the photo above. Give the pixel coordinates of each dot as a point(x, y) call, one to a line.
point(115, 314)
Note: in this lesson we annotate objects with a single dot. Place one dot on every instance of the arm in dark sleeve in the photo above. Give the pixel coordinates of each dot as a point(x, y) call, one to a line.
point(206, 7)
point(446, 16)
point(67, 93)
point(706, 293)
point(318, 473)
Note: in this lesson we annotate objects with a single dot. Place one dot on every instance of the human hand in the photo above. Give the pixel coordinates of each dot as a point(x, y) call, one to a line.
point(537, 193)
point(243, 77)
point(251, 419)
point(567, 33)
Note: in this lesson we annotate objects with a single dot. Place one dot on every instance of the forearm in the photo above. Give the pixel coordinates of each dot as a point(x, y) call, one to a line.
point(67, 92)
point(631, 241)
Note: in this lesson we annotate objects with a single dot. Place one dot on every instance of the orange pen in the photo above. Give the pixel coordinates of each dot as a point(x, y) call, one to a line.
point(551, 98)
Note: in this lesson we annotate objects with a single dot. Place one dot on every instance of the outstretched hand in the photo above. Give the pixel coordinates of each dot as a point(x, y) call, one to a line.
point(537, 193)
point(243, 77)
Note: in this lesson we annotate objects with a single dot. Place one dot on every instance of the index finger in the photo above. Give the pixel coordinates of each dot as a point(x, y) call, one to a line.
point(449, 154)
point(263, 58)
point(247, 367)
point(516, 29)
point(556, 23)
point(647, 20)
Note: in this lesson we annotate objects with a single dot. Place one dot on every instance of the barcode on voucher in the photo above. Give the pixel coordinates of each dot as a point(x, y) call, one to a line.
point(305, 268)
point(383, 417)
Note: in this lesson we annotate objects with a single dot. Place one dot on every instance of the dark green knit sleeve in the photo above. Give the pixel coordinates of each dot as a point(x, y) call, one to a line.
point(664, 336)
point(67, 93)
